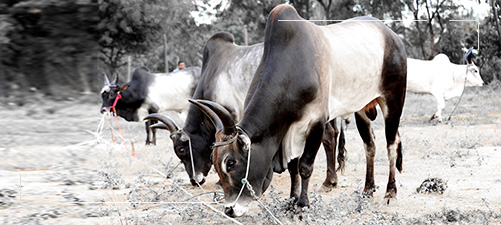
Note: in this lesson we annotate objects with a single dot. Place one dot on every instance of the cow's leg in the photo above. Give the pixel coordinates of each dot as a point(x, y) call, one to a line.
point(392, 110)
point(154, 133)
point(293, 168)
point(308, 158)
point(329, 140)
point(440, 106)
point(365, 130)
point(150, 133)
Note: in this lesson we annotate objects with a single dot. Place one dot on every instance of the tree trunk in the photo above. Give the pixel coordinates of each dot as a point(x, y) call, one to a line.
point(493, 4)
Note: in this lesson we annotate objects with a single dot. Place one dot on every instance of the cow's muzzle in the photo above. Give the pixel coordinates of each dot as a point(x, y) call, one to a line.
point(235, 210)
point(229, 211)
point(194, 182)
point(103, 110)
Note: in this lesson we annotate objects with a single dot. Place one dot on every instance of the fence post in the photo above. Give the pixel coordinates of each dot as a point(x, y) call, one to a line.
point(245, 36)
point(165, 54)
point(129, 65)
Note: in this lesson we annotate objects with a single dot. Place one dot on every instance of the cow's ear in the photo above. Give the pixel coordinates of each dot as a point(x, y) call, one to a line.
point(123, 88)
point(469, 56)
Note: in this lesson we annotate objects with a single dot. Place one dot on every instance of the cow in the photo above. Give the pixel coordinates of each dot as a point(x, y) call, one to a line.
point(227, 71)
point(149, 93)
point(308, 75)
point(441, 78)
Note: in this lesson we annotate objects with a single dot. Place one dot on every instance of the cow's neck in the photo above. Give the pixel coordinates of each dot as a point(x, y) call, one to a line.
point(459, 74)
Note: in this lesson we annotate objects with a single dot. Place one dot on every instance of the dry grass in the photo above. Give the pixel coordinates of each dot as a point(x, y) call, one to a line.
point(73, 174)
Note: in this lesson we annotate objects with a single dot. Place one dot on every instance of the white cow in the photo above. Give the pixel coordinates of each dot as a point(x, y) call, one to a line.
point(441, 78)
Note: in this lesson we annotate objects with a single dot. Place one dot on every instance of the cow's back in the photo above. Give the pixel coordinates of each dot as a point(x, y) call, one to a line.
point(171, 91)
point(363, 52)
point(433, 76)
point(227, 72)
point(420, 75)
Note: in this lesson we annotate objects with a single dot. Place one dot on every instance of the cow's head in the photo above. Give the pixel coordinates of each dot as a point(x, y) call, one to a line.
point(197, 166)
point(109, 93)
point(231, 160)
point(473, 77)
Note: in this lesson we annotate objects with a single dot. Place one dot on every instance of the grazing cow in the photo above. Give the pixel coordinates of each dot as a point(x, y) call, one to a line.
point(308, 75)
point(226, 75)
point(150, 93)
point(441, 78)
point(227, 71)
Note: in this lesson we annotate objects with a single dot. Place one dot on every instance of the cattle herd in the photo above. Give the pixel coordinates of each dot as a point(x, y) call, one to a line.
point(265, 108)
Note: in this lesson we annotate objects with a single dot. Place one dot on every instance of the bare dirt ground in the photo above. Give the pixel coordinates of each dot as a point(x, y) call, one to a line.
point(56, 168)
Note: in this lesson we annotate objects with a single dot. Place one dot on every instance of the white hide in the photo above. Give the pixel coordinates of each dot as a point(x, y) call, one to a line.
point(352, 84)
point(441, 78)
point(170, 92)
point(234, 80)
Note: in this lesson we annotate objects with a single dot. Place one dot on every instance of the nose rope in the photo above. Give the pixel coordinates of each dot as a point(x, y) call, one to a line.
point(193, 166)
point(245, 182)
point(461, 96)
point(119, 96)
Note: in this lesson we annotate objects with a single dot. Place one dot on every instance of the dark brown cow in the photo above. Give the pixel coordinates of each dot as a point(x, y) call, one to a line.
point(308, 75)
point(226, 75)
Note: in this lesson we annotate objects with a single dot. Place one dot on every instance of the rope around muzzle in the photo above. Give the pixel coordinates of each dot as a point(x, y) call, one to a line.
point(245, 182)
point(461, 96)
point(193, 166)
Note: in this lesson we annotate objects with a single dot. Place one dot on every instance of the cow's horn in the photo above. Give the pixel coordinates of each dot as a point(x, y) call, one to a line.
point(159, 126)
point(115, 81)
point(469, 56)
point(106, 81)
point(171, 125)
point(229, 127)
point(215, 117)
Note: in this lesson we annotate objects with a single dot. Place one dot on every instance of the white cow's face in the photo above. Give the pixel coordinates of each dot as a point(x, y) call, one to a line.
point(473, 77)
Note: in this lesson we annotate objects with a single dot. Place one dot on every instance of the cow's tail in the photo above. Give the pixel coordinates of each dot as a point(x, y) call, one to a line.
point(341, 157)
point(399, 157)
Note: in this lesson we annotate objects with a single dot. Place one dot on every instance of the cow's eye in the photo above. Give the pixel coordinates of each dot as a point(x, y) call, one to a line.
point(230, 164)
point(181, 150)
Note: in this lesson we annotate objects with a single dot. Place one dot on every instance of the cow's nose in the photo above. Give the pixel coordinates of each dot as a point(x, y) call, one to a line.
point(229, 211)
point(194, 182)
point(103, 110)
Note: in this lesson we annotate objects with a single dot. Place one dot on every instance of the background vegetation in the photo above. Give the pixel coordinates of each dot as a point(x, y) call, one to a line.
point(62, 47)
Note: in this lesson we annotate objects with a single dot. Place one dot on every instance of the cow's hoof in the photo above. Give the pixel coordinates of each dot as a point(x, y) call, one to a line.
point(328, 186)
point(369, 191)
point(390, 196)
point(303, 202)
point(150, 143)
point(390, 200)
point(299, 211)
point(291, 206)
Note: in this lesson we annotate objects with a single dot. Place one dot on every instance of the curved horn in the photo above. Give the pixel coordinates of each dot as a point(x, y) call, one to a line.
point(171, 125)
point(229, 127)
point(106, 81)
point(469, 56)
point(159, 126)
point(115, 81)
point(212, 116)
